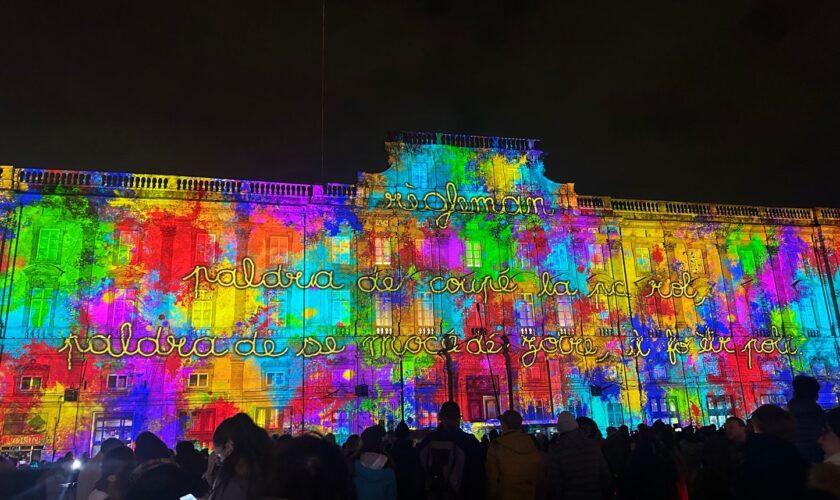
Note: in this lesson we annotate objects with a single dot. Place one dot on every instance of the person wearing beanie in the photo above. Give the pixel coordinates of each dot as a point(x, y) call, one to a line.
point(808, 417)
point(156, 475)
point(514, 465)
point(407, 465)
point(826, 475)
point(373, 475)
point(576, 468)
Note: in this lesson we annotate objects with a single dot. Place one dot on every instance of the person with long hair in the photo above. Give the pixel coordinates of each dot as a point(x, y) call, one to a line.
point(114, 481)
point(244, 453)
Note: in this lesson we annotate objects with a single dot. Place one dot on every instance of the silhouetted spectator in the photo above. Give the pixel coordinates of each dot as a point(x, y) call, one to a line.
point(193, 464)
point(826, 475)
point(156, 476)
point(407, 465)
point(772, 468)
point(245, 453)
point(735, 430)
point(91, 472)
point(453, 461)
point(576, 468)
point(653, 471)
point(810, 418)
point(590, 429)
point(351, 446)
point(616, 449)
point(373, 476)
point(310, 468)
point(114, 481)
point(514, 465)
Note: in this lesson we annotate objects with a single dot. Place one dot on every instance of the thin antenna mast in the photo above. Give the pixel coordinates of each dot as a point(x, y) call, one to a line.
point(323, 78)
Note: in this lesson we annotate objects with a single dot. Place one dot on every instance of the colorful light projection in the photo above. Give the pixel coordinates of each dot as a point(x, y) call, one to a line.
point(133, 302)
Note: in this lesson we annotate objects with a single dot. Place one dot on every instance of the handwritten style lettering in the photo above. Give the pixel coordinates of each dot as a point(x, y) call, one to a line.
point(451, 202)
point(677, 289)
point(246, 277)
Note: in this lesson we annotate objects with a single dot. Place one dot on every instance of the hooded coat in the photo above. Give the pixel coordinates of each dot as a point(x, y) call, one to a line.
point(514, 467)
point(373, 479)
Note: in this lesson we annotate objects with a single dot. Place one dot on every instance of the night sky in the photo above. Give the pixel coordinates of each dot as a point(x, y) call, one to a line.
point(737, 102)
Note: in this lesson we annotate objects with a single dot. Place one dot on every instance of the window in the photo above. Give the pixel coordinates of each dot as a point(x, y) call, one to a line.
point(274, 378)
point(772, 399)
point(111, 426)
point(40, 307)
point(127, 247)
point(596, 257)
point(423, 253)
point(123, 307)
point(202, 309)
point(278, 250)
point(420, 175)
point(615, 415)
point(660, 372)
point(562, 257)
point(49, 244)
point(695, 261)
point(642, 260)
point(205, 248)
point(807, 314)
point(382, 310)
point(719, 409)
point(30, 383)
point(270, 419)
point(198, 380)
point(565, 312)
point(382, 251)
point(340, 310)
point(747, 261)
point(525, 309)
point(664, 409)
point(198, 421)
point(425, 310)
point(340, 249)
point(117, 381)
point(522, 258)
point(278, 305)
point(473, 254)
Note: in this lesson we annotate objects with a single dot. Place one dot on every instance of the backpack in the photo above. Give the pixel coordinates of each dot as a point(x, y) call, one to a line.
point(443, 464)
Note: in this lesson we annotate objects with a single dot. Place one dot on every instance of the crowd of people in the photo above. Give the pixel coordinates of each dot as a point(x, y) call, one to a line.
point(791, 453)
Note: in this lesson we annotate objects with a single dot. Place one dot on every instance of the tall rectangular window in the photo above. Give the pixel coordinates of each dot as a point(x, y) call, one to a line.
point(340, 308)
point(565, 312)
point(695, 261)
point(270, 419)
point(127, 247)
point(123, 306)
point(40, 307)
point(747, 260)
point(423, 252)
point(205, 248)
point(642, 260)
point(49, 244)
point(278, 250)
point(425, 310)
point(525, 309)
point(202, 310)
point(382, 310)
point(278, 306)
point(382, 251)
point(615, 415)
point(420, 175)
point(807, 314)
point(340, 249)
point(473, 254)
point(596, 257)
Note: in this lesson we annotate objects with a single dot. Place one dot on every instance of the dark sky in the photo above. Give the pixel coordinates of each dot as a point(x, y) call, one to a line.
point(735, 102)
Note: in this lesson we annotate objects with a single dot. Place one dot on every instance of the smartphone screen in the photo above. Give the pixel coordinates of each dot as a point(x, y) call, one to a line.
point(189, 496)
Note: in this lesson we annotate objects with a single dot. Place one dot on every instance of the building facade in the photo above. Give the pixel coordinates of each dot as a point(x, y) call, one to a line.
point(134, 302)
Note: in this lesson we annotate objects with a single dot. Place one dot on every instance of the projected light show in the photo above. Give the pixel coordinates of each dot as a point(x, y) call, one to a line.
point(158, 302)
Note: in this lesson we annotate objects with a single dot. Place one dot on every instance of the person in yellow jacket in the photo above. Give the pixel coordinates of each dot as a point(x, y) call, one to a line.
point(514, 465)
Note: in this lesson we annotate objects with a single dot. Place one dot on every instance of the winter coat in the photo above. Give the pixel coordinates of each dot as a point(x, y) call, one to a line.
point(514, 467)
point(810, 419)
point(576, 469)
point(473, 482)
point(772, 469)
point(408, 469)
point(372, 479)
